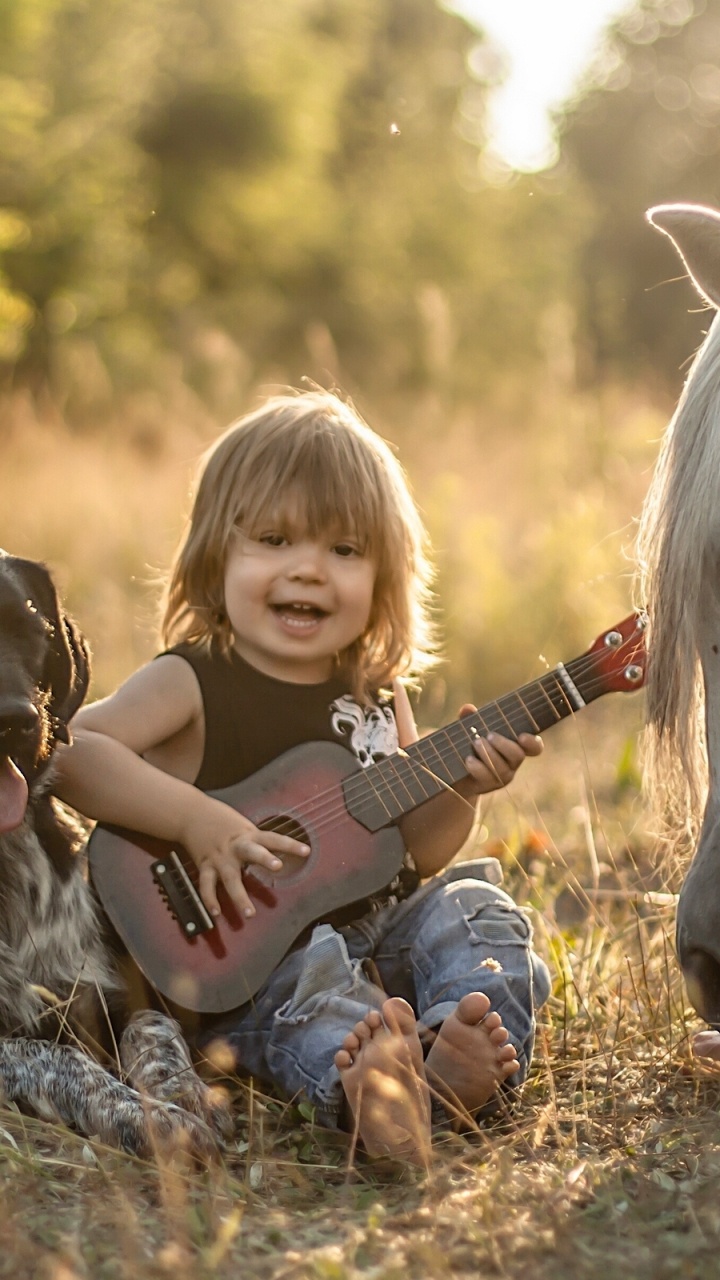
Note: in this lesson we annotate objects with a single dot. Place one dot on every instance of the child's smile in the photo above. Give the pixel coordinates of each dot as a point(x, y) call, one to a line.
point(294, 600)
point(299, 616)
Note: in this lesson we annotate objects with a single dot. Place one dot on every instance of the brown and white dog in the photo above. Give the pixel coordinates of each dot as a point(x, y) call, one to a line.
point(57, 976)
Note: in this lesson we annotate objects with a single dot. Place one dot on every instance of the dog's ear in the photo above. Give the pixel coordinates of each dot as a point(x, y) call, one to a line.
point(66, 670)
point(74, 681)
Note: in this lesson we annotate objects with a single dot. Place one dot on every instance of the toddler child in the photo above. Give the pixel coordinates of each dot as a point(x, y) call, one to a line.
point(298, 599)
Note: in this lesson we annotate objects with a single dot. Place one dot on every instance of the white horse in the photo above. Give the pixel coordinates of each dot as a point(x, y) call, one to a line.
point(679, 552)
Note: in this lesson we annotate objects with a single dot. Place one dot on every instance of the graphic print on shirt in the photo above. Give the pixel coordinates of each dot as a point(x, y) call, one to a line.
point(369, 732)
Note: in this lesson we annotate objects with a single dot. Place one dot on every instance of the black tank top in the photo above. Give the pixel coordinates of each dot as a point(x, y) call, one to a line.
point(252, 718)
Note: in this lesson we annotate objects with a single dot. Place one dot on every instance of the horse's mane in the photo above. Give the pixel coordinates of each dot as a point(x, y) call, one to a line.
point(677, 538)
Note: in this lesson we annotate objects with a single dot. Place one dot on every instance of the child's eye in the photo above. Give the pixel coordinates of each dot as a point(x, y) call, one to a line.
point(346, 549)
point(273, 539)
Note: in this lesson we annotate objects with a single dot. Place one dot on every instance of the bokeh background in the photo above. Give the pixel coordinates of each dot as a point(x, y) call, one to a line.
point(200, 203)
point(204, 200)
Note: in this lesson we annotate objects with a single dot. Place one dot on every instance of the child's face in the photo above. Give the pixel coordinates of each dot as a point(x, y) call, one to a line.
point(295, 601)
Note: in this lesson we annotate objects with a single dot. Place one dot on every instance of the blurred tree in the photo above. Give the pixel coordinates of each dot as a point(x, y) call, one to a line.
point(308, 180)
point(74, 75)
point(238, 191)
point(644, 130)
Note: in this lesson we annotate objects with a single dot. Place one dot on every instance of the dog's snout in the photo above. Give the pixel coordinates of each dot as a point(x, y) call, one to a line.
point(19, 720)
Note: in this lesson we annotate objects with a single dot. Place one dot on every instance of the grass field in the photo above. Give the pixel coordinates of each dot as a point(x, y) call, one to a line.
point(610, 1165)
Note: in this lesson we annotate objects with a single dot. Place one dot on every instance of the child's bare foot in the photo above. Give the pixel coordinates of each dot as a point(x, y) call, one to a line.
point(381, 1070)
point(706, 1044)
point(470, 1057)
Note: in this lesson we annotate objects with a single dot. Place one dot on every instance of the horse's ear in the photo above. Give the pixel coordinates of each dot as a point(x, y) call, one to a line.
point(695, 232)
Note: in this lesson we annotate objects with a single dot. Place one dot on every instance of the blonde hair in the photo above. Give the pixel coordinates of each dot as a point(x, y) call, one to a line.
point(315, 445)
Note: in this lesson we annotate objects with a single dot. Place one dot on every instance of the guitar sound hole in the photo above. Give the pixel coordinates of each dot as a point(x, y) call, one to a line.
point(293, 863)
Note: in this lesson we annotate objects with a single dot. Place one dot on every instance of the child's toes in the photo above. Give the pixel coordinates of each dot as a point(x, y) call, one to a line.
point(507, 1069)
point(472, 1008)
point(499, 1035)
point(343, 1059)
point(507, 1062)
point(351, 1043)
point(491, 1022)
point(362, 1031)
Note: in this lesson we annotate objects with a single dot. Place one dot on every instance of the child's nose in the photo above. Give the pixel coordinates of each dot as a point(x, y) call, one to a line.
point(309, 563)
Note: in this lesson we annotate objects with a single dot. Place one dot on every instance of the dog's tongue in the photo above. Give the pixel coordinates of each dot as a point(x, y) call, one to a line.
point(13, 795)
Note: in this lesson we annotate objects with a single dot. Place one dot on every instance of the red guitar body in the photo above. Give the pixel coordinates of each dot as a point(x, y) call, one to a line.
point(221, 968)
point(149, 889)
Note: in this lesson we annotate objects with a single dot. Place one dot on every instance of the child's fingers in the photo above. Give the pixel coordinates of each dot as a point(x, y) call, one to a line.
point(497, 759)
point(252, 853)
point(207, 881)
point(489, 767)
point(276, 843)
point(229, 871)
point(404, 718)
point(530, 743)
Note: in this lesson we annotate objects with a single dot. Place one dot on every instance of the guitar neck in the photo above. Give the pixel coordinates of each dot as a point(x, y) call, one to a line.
point(400, 783)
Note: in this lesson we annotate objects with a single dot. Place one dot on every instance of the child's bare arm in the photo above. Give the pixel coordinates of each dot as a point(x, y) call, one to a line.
point(104, 776)
point(434, 832)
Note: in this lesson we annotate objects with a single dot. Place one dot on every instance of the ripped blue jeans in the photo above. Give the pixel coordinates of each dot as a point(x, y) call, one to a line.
point(455, 934)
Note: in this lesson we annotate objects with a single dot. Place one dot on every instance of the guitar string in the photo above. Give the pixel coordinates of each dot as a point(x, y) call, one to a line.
point(388, 783)
point(444, 737)
point(326, 807)
point(336, 798)
point(364, 783)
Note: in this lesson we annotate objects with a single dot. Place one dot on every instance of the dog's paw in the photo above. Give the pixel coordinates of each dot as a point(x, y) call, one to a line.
point(209, 1103)
point(149, 1128)
point(158, 1064)
point(172, 1130)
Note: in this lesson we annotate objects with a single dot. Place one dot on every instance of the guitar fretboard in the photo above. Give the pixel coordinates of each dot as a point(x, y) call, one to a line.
point(402, 782)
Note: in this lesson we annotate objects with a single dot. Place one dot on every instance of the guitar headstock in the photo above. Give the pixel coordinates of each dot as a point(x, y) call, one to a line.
point(620, 656)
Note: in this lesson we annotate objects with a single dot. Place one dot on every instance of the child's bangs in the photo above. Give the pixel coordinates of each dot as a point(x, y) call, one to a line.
point(325, 489)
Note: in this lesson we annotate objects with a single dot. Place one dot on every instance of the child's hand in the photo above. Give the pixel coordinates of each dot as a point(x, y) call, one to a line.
point(221, 842)
point(496, 759)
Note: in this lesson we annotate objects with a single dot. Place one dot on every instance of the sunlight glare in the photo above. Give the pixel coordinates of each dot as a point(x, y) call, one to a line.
point(547, 46)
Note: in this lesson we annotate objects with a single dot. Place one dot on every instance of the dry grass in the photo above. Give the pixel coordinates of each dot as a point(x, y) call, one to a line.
point(530, 510)
point(611, 1164)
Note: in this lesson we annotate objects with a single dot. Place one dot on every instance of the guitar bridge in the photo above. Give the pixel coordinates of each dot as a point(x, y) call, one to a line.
point(183, 898)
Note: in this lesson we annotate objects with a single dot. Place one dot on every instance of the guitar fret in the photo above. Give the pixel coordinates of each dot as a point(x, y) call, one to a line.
point(403, 788)
point(511, 717)
point(419, 785)
point(383, 793)
point(558, 696)
point(532, 721)
point(461, 737)
point(452, 763)
point(555, 714)
point(403, 783)
point(432, 759)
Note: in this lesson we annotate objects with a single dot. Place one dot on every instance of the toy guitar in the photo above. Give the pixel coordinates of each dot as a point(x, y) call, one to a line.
point(319, 794)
